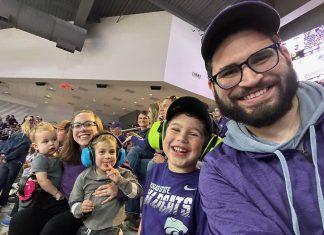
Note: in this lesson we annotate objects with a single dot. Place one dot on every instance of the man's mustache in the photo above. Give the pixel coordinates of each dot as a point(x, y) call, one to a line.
point(247, 91)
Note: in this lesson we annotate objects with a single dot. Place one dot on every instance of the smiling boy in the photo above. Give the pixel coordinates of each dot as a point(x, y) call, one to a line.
point(99, 217)
point(171, 201)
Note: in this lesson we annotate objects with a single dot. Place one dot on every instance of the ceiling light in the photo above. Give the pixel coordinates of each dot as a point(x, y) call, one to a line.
point(40, 83)
point(142, 98)
point(150, 94)
point(101, 85)
point(135, 102)
point(6, 92)
point(155, 88)
point(123, 108)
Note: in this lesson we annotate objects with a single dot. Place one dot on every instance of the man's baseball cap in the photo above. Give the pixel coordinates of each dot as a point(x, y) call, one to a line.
point(116, 125)
point(255, 14)
point(192, 106)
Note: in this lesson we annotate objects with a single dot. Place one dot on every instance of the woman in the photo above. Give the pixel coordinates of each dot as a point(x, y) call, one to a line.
point(153, 112)
point(84, 125)
point(12, 156)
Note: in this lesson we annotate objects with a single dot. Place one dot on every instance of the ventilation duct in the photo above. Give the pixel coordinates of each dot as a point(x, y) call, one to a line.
point(68, 37)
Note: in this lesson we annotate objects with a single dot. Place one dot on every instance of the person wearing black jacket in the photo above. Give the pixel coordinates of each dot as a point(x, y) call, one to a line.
point(13, 153)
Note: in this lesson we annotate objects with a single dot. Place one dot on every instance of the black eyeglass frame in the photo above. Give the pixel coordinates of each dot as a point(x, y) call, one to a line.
point(275, 46)
point(72, 126)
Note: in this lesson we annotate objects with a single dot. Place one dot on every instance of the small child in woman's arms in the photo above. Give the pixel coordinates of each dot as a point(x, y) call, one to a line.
point(46, 165)
point(99, 217)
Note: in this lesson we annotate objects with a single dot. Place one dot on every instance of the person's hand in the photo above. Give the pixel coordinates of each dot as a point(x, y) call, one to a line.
point(27, 164)
point(58, 196)
point(87, 206)
point(127, 140)
point(114, 175)
point(158, 158)
point(107, 190)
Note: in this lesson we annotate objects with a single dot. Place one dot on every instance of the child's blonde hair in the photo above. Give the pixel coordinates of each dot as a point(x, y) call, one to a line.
point(42, 126)
point(105, 138)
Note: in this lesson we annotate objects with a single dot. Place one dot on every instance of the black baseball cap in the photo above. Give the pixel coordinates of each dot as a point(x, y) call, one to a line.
point(255, 14)
point(193, 107)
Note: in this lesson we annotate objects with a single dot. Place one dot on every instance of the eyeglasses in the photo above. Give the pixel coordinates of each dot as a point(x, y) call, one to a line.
point(259, 62)
point(86, 125)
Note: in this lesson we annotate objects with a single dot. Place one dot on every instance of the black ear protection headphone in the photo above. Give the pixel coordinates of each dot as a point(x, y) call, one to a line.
point(157, 133)
point(88, 153)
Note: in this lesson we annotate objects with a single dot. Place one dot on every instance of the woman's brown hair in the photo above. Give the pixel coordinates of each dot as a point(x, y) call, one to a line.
point(71, 152)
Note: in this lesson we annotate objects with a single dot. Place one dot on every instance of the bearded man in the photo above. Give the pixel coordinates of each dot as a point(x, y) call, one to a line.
point(267, 176)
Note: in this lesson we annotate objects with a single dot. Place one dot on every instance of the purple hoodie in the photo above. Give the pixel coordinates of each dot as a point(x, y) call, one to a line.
point(251, 186)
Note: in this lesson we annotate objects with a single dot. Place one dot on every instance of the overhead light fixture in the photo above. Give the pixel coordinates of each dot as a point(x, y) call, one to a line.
point(142, 98)
point(155, 88)
point(135, 102)
point(6, 92)
point(40, 83)
point(101, 85)
point(151, 94)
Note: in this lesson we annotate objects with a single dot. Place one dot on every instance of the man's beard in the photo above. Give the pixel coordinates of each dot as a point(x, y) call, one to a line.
point(263, 114)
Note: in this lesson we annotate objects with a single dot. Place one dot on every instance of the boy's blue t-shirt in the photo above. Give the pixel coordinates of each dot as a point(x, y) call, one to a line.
point(172, 203)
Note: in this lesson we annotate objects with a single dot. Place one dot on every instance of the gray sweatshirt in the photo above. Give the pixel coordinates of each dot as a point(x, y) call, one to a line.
point(113, 212)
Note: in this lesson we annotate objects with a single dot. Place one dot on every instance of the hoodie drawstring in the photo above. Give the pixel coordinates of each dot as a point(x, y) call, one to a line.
point(285, 170)
point(318, 179)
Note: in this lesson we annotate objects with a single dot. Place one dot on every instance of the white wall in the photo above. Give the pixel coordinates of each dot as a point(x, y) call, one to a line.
point(185, 66)
point(135, 48)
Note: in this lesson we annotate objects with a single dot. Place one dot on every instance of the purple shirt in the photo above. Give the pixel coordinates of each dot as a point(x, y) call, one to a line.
point(172, 203)
point(70, 173)
point(245, 192)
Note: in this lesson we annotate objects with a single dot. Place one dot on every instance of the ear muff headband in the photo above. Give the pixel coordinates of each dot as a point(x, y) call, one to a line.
point(164, 127)
point(88, 155)
point(213, 142)
point(155, 135)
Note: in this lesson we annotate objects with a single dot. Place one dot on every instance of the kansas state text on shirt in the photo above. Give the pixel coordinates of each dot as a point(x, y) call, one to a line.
point(158, 197)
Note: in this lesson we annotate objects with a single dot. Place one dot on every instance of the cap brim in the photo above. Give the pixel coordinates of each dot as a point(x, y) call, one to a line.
point(258, 13)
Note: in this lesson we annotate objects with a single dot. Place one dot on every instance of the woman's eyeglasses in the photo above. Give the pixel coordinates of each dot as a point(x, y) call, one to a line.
point(86, 125)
